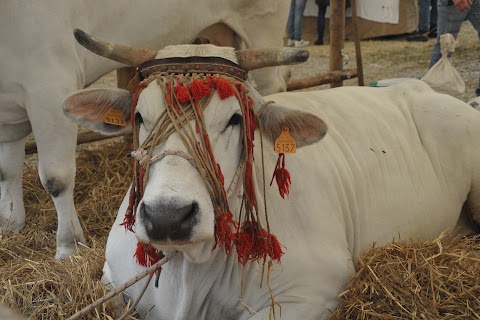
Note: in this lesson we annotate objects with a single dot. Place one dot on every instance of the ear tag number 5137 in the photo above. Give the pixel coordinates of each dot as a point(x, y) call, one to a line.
point(285, 142)
point(115, 117)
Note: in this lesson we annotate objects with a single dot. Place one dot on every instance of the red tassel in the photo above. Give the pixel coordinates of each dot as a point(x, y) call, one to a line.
point(224, 235)
point(211, 82)
point(260, 245)
point(139, 89)
point(146, 254)
point(275, 251)
point(282, 177)
point(198, 89)
point(244, 246)
point(225, 89)
point(240, 87)
point(252, 243)
point(129, 219)
point(181, 92)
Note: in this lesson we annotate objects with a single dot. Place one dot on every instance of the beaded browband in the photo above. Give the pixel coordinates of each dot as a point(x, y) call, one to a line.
point(206, 65)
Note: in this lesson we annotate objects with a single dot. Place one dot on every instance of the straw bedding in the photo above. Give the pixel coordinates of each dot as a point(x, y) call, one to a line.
point(438, 279)
point(32, 281)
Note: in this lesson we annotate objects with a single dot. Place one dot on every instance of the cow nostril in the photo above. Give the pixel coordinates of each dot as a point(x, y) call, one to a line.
point(191, 212)
point(168, 220)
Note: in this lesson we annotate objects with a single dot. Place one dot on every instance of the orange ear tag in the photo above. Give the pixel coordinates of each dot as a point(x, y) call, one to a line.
point(115, 117)
point(285, 142)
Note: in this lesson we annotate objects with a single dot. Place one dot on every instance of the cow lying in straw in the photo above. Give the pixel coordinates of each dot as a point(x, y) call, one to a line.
point(261, 232)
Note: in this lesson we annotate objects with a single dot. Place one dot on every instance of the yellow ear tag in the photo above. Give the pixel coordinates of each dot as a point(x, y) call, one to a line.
point(114, 117)
point(285, 142)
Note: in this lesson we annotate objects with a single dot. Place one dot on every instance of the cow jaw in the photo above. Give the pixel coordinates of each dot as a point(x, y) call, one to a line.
point(176, 212)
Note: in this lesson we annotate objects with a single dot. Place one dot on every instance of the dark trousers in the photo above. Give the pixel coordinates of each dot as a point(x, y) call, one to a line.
point(322, 10)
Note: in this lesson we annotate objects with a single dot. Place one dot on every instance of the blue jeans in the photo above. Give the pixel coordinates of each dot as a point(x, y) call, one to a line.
point(295, 18)
point(449, 21)
point(427, 17)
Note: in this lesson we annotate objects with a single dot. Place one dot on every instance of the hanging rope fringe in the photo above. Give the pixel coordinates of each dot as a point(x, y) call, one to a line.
point(186, 98)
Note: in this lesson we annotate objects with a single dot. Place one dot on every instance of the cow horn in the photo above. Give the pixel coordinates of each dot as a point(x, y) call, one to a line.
point(251, 59)
point(120, 53)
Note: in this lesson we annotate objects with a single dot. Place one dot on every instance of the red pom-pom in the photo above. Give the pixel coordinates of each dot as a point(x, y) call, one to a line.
point(198, 89)
point(181, 92)
point(244, 246)
point(225, 89)
point(224, 235)
point(129, 219)
point(211, 82)
point(282, 176)
point(275, 251)
point(146, 254)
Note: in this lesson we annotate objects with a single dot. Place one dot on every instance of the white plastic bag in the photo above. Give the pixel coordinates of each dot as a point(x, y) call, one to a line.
point(443, 77)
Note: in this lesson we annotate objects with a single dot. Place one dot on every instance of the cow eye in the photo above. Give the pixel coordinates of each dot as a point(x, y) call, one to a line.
point(138, 117)
point(235, 119)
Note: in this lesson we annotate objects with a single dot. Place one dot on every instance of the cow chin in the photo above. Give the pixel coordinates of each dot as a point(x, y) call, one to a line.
point(199, 252)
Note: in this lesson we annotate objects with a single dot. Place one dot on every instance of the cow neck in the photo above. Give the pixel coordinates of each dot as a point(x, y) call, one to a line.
point(186, 96)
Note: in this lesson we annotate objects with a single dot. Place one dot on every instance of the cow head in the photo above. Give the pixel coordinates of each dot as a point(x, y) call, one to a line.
point(191, 126)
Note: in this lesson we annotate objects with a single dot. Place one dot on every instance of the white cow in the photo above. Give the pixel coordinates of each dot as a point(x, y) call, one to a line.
point(41, 63)
point(396, 163)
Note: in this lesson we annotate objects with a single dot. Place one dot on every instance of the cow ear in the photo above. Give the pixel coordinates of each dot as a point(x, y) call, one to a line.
point(305, 128)
point(103, 110)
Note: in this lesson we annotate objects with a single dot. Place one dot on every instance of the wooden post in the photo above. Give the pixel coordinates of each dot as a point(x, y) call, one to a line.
point(124, 75)
point(337, 37)
point(356, 38)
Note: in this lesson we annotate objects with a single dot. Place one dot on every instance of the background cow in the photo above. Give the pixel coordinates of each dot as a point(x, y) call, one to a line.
point(41, 63)
point(396, 162)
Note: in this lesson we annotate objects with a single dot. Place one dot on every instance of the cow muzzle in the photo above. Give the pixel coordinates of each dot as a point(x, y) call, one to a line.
point(169, 220)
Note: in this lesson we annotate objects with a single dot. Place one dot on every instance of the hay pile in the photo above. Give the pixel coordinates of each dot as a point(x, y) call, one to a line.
point(32, 281)
point(433, 280)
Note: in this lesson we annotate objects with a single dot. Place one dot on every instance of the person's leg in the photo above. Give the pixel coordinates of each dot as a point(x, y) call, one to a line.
point(449, 21)
point(423, 22)
point(290, 21)
point(423, 16)
point(321, 24)
point(298, 19)
point(433, 14)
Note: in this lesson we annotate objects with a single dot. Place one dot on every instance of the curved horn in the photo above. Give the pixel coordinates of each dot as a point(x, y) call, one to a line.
point(117, 52)
point(251, 59)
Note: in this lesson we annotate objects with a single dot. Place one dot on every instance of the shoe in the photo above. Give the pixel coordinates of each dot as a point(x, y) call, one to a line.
point(419, 36)
point(290, 43)
point(432, 33)
point(319, 42)
point(301, 44)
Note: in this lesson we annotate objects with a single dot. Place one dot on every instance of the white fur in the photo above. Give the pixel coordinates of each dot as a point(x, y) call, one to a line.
point(201, 50)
